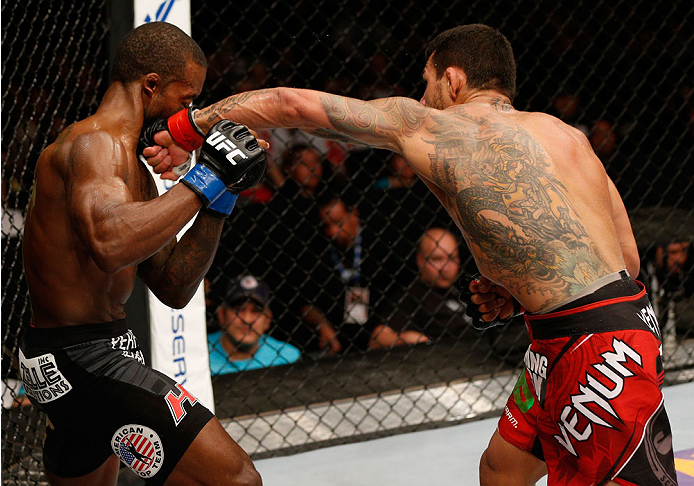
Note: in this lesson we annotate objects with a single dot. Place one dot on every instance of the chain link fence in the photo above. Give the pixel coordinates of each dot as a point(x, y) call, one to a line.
point(342, 363)
point(54, 71)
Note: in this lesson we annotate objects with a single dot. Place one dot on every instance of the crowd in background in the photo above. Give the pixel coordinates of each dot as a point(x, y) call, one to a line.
point(621, 80)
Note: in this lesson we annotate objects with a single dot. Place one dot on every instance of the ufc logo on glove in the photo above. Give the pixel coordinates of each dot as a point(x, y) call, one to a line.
point(220, 142)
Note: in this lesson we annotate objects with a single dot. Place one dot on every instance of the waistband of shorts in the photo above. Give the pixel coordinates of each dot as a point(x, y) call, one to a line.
point(616, 306)
point(61, 337)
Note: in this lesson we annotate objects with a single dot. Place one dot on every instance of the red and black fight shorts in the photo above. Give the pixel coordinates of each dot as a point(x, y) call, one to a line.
point(589, 400)
point(101, 399)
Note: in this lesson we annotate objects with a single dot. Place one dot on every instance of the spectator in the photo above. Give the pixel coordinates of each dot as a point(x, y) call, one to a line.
point(567, 107)
point(293, 241)
point(332, 291)
point(401, 174)
point(303, 166)
point(244, 317)
point(603, 139)
point(674, 272)
point(398, 207)
point(430, 308)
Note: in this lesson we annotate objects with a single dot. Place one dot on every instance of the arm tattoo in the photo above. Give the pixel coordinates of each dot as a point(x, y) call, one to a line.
point(217, 110)
point(376, 123)
point(512, 206)
point(333, 135)
point(195, 252)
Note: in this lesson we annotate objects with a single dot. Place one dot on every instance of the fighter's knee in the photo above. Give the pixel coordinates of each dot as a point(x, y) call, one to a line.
point(248, 475)
point(253, 478)
point(234, 473)
point(487, 469)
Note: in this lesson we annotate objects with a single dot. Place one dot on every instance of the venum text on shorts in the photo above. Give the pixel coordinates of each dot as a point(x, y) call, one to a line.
point(596, 393)
point(647, 315)
point(41, 378)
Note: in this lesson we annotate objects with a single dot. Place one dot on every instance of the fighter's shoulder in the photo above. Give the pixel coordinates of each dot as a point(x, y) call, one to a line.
point(557, 128)
point(84, 148)
point(554, 122)
point(96, 139)
point(82, 136)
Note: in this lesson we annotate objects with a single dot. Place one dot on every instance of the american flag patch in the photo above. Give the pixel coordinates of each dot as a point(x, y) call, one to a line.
point(139, 448)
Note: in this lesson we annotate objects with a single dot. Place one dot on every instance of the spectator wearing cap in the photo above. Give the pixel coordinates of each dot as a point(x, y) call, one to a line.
point(244, 317)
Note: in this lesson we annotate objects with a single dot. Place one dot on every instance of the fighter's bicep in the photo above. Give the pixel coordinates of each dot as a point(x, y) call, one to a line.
point(93, 186)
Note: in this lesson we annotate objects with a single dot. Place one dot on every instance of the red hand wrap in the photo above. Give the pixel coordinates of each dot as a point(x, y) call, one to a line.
point(184, 131)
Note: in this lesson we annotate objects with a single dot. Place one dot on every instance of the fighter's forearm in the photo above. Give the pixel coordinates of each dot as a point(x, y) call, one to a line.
point(125, 234)
point(377, 123)
point(273, 108)
point(256, 109)
point(174, 274)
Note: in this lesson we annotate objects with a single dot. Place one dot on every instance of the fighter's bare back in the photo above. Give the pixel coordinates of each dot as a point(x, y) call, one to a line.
point(531, 199)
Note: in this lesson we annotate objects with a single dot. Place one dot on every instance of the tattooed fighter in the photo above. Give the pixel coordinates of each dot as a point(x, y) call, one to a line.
point(548, 231)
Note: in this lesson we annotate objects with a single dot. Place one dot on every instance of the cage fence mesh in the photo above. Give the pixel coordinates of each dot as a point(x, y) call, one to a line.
point(620, 71)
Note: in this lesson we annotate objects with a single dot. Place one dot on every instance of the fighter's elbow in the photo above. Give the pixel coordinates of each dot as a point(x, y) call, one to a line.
point(176, 298)
point(107, 257)
point(290, 104)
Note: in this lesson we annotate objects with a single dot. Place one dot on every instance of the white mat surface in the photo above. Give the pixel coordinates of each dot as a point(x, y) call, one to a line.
point(434, 457)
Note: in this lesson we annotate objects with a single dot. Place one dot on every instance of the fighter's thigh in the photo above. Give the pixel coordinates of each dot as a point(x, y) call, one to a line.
point(504, 463)
point(213, 458)
point(105, 475)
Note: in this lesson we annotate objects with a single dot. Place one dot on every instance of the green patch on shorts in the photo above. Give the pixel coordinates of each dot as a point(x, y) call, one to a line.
point(522, 395)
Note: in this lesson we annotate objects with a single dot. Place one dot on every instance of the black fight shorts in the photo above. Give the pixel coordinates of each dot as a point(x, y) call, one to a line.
point(101, 399)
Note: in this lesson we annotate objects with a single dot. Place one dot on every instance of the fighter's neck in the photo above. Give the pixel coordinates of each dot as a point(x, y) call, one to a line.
point(121, 106)
point(490, 98)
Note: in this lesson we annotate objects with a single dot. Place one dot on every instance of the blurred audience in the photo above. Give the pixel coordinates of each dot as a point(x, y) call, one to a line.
point(332, 287)
point(400, 174)
point(567, 107)
point(603, 139)
point(429, 309)
point(294, 239)
point(398, 207)
point(242, 343)
point(675, 274)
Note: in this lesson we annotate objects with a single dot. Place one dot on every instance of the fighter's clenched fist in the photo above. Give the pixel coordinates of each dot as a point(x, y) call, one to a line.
point(166, 145)
point(230, 158)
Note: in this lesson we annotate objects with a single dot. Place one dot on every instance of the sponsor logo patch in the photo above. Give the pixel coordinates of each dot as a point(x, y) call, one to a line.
point(175, 403)
point(139, 448)
point(127, 344)
point(42, 379)
point(511, 419)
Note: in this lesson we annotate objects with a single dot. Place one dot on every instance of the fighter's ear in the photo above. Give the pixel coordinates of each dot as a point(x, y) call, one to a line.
point(151, 84)
point(456, 81)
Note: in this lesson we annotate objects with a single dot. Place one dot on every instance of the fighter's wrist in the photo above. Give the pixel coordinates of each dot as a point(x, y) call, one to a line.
point(203, 123)
point(184, 130)
point(223, 205)
point(205, 183)
point(518, 310)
